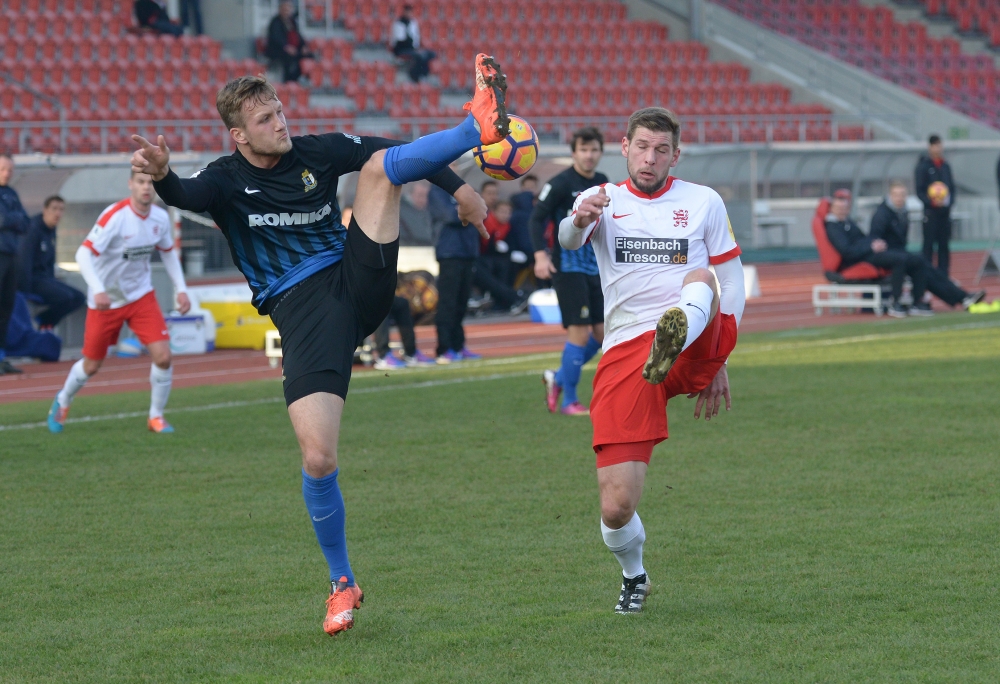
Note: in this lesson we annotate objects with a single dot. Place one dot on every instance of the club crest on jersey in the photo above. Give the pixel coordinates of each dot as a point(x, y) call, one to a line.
point(308, 180)
point(680, 218)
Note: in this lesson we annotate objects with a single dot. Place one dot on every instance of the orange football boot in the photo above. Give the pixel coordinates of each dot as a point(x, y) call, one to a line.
point(340, 607)
point(159, 425)
point(489, 101)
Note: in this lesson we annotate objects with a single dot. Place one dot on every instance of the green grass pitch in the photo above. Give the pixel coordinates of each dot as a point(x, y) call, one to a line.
point(840, 525)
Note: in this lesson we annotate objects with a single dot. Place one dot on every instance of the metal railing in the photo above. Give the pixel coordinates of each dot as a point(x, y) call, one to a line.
point(209, 135)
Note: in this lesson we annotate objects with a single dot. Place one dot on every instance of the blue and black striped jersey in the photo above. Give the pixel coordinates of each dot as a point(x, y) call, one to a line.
point(283, 224)
point(555, 202)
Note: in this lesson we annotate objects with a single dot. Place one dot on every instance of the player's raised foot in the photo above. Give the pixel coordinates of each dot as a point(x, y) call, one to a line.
point(340, 607)
point(57, 417)
point(489, 101)
point(671, 332)
point(633, 595)
point(159, 425)
point(575, 409)
point(552, 390)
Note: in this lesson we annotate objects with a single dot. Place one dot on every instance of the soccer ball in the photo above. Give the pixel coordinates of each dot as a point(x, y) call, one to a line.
point(513, 156)
point(938, 193)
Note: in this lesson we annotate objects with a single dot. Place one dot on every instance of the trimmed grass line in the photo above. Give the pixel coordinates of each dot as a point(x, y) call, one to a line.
point(274, 400)
point(874, 337)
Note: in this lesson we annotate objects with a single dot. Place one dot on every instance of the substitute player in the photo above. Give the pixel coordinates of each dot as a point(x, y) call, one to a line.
point(325, 287)
point(114, 260)
point(669, 331)
point(574, 273)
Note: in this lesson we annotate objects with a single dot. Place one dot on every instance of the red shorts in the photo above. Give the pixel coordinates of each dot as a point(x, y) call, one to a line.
point(143, 316)
point(629, 414)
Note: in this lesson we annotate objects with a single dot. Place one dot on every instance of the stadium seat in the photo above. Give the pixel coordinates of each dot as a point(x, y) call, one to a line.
point(830, 259)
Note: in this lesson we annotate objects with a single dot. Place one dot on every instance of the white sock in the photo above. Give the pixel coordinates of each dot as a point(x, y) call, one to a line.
point(696, 302)
point(626, 544)
point(75, 381)
point(159, 381)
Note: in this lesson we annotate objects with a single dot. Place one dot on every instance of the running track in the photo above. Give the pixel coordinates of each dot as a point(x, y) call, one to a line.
point(785, 303)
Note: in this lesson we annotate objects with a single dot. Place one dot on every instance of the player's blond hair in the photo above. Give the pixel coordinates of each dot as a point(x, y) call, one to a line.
point(656, 119)
point(235, 94)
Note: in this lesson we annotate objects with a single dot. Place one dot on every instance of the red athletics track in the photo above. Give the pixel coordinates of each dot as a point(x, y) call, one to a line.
point(786, 302)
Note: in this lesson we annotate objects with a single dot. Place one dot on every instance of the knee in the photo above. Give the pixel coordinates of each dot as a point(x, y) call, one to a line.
point(616, 513)
point(162, 359)
point(319, 460)
point(700, 275)
point(91, 366)
point(373, 172)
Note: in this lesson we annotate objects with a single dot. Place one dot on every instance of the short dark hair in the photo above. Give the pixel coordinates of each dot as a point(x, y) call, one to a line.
point(586, 135)
point(486, 184)
point(52, 198)
point(934, 140)
point(655, 119)
point(529, 177)
point(238, 92)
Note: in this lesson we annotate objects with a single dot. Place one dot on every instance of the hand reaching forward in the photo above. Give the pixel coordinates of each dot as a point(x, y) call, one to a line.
point(711, 396)
point(150, 158)
point(590, 209)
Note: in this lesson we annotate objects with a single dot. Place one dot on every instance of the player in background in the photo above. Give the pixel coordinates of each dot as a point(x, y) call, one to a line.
point(114, 261)
point(669, 330)
point(325, 287)
point(574, 273)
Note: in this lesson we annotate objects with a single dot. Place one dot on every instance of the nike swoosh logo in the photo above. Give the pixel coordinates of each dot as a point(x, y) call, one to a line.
point(248, 191)
point(315, 519)
point(618, 216)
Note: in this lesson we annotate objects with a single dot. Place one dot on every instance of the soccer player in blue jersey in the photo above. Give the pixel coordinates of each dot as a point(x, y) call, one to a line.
point(574, 273)
point(325, 287)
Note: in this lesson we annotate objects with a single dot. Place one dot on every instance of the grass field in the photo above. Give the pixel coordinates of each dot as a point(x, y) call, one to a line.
point(840, 525)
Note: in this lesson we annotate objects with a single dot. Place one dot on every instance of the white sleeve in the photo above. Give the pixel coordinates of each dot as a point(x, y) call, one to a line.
point(571, 237)
point(85, 258)
point(719, 237)
point(172, 264)
point(415, 32)
point(733, 296)
point(104, 232)
point(398, 31)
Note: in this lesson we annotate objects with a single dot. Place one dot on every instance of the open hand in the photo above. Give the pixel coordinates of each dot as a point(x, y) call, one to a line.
point(711, 396)
point(591, 208)
point(150, 158)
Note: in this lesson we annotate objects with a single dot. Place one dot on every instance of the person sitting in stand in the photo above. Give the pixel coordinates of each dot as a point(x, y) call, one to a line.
point(406, 45)
point(153, 15)
point(285, 45)
point(854, 247)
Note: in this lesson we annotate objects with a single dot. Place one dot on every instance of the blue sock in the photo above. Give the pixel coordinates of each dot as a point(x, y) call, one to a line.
point(326, 510)
point(592, 348)
point(432, 153)
point(572, 363)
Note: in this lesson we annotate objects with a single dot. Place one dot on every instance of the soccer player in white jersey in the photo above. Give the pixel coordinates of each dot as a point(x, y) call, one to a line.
point(114, 260)
point(668, 329)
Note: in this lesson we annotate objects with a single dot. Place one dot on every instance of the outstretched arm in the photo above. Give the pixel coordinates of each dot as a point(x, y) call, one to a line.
point(192, 194)
point(574, 230)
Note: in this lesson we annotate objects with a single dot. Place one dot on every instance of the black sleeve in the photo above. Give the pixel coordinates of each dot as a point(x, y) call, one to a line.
point(880, 224)
point(920, 182)
point(542, 213)
point(850, 248)
point(276, 38)
point(26, 257)
point(199, 193)
point(351, 152)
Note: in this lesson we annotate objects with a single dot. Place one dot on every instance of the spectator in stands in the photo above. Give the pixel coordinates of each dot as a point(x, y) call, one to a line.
point(13, 223)
point(416, 226)
point(152, 14)
point(456, 251)
point(191, 15)
point(523, 203)
point(37, 256)
point(285, 45)
point(891, 220)
point(854, 247)
point(406, 45)
point(494, 254)
point(401, 316)
point(490, 192)
point(933, 169)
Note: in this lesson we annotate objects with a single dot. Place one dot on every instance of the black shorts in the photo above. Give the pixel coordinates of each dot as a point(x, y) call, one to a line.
point(581, 299)
point(324, 318)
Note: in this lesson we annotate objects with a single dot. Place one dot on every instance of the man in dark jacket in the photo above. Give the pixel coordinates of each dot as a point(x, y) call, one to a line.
point(285, 44)
point(891, 220)
point(13, 222)
point(854, 247)
point(932, 169)
point(456, 252)
point(38, 266)
point(153, 15)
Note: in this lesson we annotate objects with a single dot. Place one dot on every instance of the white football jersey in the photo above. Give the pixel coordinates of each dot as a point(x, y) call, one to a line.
point(123, 242)
point(647, 244)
